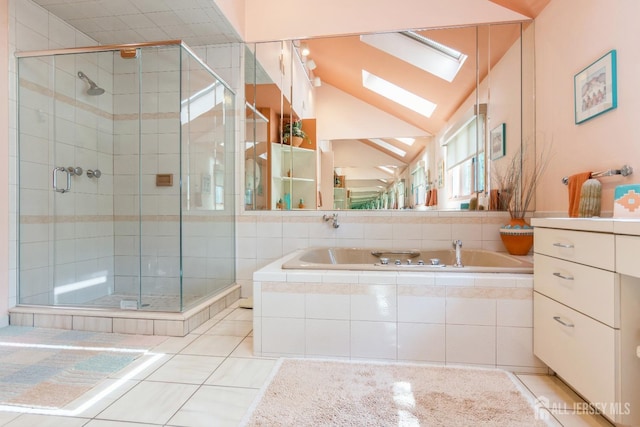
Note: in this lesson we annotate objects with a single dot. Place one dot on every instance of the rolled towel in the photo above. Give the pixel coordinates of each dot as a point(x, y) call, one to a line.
point(575, 186)
point(590, 198)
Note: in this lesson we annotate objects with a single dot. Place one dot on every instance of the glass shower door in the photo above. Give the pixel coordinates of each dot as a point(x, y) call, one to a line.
point(66, 180)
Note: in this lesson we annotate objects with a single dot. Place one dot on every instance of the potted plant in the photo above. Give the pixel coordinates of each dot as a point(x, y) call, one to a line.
point(517, 181)
point(293, 134)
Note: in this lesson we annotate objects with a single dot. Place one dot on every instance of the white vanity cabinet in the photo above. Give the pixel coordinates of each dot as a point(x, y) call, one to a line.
point(587, 310)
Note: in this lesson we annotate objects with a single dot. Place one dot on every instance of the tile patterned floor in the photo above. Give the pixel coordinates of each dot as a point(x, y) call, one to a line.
point(210, 378)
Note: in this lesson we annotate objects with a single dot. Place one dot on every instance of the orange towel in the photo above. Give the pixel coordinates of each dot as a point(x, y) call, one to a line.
point(433, 198)
point(575, 185)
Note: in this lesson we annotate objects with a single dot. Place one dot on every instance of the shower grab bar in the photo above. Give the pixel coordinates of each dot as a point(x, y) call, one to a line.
point(55, 179)
point(625, 170)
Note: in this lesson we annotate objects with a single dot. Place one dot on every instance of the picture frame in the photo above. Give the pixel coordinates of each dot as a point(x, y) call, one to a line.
point(595, 88)
point(498, 141)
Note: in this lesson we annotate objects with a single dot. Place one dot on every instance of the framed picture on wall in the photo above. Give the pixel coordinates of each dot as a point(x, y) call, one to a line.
point(497, 137)
point(595, 88)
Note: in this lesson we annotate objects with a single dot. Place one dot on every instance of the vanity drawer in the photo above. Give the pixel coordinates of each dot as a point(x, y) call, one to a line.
point(627, 260)
point(582, 351)
point(595, 249)
point(589, 290)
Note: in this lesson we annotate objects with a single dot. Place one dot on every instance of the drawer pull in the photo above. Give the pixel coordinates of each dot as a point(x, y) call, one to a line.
point(563, 323)
point(560, 275)
point(564, 245)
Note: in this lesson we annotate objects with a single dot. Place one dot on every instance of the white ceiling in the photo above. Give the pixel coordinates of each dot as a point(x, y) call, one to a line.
point(197, 22)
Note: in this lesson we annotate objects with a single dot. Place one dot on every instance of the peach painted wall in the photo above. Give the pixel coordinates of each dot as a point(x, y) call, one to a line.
point(570, 35)
point(287, 19)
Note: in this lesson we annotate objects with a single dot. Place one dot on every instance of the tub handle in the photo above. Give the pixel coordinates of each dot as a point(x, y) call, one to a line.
point(564, 245)
point(563, 323)
point(560, 275)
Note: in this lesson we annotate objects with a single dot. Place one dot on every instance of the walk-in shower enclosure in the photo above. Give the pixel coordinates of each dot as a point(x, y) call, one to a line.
point(125, 178)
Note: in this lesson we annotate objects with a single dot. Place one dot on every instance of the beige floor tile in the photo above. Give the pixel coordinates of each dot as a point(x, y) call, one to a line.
point(212, 345)
point(205, 326)
point(240, 314)
point(244, 349)
point(187, 369)
point(149, 402)
point(236, 372)
point(236, 328)
point(215, 406)
point(106, 423)
point(583, 420)
point(174, 345)
point(5, 417)
point(550, 389)
point(120, 388)
point(31, 420)
point(136, 364)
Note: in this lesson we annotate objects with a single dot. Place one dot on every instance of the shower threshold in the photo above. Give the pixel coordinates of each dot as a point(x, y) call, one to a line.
point(142, 321)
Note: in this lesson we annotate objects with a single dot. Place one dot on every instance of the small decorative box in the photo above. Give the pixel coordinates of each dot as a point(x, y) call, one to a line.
point(626, 201)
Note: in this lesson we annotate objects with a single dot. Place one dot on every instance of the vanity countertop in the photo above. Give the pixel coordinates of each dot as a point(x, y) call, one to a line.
point(629, 226)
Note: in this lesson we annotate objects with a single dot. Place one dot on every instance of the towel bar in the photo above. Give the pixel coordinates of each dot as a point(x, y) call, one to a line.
point(624, 171)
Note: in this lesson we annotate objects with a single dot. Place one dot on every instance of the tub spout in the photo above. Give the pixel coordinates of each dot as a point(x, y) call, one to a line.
point(457, 244)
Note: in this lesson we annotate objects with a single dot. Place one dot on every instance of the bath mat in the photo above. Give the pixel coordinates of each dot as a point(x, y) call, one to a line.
point(49, 368)
point(328, 393)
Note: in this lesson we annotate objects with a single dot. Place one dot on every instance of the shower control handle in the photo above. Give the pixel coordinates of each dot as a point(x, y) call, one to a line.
point(94, 173)
point(74, 171)
point(55, 179)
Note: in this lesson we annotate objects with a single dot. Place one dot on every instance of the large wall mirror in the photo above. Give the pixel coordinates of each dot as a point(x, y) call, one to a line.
point(416, 119)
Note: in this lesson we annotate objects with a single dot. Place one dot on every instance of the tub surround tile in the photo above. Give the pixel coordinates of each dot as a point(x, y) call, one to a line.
point(375, 340)
point(418, 309)
point(450, 318)
point(517, 313)
point(417, 278)
point(327, 337)
point(283, 336)
point(515, 347)
point(421, 342)
point(327, 306)
point(378, 303)
point(377, 278)
point(470, 344)
point(476, 311)
point(281, 304)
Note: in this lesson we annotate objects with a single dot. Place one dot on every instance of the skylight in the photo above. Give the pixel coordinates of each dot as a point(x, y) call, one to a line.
point(385, 145)
point(397, 94)
point(420, 51)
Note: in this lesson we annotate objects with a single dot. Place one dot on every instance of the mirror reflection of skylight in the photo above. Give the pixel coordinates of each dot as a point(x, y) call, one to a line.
point(385, 145)
point(387, 170)
point(397, 94)
point(406, 141)
point(420, 51)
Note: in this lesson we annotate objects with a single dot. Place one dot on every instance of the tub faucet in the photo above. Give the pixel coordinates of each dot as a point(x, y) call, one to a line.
point(333, 218)
point(457, 244)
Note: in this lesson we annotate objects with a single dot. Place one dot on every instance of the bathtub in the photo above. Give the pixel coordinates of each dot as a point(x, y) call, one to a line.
point(473, 260)
point(341, 303)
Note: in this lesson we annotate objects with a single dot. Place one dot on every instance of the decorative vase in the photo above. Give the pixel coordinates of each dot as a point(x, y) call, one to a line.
point(517, 236)
point(296, 141)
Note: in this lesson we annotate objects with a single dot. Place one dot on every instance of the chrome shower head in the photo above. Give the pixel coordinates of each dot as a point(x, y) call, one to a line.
point(94, 89)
